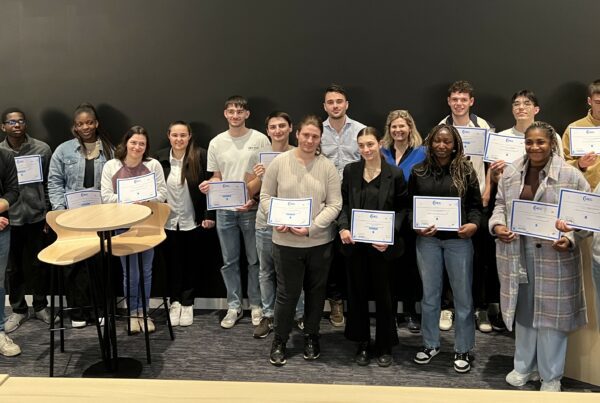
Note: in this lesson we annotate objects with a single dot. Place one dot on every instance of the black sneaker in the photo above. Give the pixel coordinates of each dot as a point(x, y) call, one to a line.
point(498, 323)
point(264, 328)
point(362, 354)
point(384, 360)
point(425, 355)
point(278, 351)
point(462, 362)
point(312, 349)
point(413, 324)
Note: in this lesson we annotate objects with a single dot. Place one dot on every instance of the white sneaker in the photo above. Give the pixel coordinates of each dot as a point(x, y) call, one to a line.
point(151, 327)
point(44, 316)
point(7, 347)
point(233, 315)
point(256, 314)
point(483, 322)
point(446, 318)
point(187, 315)
point(14, 321)
point(175, 313)
point(78, 324)
point(550, 386)
point(515, 378)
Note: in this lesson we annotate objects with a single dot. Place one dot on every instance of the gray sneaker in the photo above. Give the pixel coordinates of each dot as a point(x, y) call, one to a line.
point(264, 328)
point(14, 321)
point(233, 315)
point(7, 347)
point(44, 316)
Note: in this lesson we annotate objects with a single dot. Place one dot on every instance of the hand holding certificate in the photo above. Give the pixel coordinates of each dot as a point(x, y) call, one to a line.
point(474, 139)
point(290, 212)
point(83, 198)
point(505, 148)
point(29, 169)
point(371, 226)
point(443, 213)
point(137, 188)
point(265, 158)
point(583, 140)
point(534, 219)
point(226, 195)
point(580, 209)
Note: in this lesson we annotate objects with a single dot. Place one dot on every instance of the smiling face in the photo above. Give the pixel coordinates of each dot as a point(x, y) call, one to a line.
point(85, 126)
point(236, 116)
point(279, 129)
point(179, 137)
point(335, 105)
point(309, 138)
point(442, 146)
point(524, 109)
point(136, 146)
point(369, 147)
point(460, 103)
point(538, 147)
point(594, 103)
point(400, 130)
point(14, 125)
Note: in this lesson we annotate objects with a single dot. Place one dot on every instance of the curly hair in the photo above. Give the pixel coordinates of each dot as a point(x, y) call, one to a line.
point(460, 167)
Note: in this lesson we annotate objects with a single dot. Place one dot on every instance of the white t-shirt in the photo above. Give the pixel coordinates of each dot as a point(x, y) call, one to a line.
point(230, 155)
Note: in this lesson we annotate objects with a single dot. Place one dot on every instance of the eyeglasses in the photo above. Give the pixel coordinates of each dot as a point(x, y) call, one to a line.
point(15, 122)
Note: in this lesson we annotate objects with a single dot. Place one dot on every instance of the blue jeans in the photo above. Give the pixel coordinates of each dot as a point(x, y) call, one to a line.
point(229, 226)
point(266, 274)
point(135, 297)
point(432, 253)
point(4, 248)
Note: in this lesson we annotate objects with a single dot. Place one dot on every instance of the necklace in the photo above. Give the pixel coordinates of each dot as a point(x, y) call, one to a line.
point(371, 173)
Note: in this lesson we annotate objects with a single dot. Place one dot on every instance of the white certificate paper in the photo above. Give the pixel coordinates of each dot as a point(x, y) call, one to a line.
point(373, 226)
point(583, 140)
point(505, 148)
point(536, 219)
point(265, 158)
point(473, 139)
point(442, 212)
point(580, 209)
point(29, 169)
point(290, 212)
point(82, 198)
point(137, 188)
point(226, 195)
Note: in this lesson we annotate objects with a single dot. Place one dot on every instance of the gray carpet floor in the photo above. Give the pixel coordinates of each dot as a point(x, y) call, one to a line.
point(204, 351)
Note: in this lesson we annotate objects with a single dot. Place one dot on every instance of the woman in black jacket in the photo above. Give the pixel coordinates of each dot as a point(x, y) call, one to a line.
point(371, 184)
point(184, 166)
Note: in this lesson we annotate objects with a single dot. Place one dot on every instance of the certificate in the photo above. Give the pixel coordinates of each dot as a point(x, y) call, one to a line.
point(29, 169)
point(226, 195)
point(290, 212)
point(372, 226)
point(441, 212)
point(580, 209)
point(505, 148)
point(137, 188)
point(583, 140)
point(82, 198)
point(473, 139)
point(534, 219)
point(265, 158)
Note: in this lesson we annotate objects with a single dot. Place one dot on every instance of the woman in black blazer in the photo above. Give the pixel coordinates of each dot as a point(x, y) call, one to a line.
point(184, 166)
point(371, 184)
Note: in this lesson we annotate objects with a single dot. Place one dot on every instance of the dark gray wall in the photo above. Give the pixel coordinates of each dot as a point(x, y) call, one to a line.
point(152, 61)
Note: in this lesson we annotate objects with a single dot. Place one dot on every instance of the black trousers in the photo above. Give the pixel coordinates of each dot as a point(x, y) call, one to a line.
point(337, 273)
point(297, 269)
point(26, 241)
point(182, 263)
point(408, 287)
point(486, 286)
point(78, 288)
point(369, 272)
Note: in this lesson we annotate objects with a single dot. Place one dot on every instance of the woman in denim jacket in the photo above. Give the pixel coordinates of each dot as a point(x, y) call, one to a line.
point(77, 165)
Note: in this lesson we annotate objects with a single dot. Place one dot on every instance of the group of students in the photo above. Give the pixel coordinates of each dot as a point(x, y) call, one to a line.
point(342, 165)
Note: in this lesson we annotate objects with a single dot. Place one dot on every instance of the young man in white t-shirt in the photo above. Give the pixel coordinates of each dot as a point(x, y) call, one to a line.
point(228, 156)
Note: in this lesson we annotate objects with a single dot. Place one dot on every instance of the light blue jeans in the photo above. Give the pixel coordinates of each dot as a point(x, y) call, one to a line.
point(4, 248)
point(267, 276)
point(541, 349)
point(457, 254)
point(229, 226)
point(135, 294)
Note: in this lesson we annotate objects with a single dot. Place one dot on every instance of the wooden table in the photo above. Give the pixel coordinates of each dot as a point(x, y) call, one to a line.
point(103, 218)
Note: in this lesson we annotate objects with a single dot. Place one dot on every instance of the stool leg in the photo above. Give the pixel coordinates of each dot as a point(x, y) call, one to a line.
point(128, 294)
point(61, 308)
point(52, 284)
point(144, 310)
point(95, 307)
point(166, 305)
